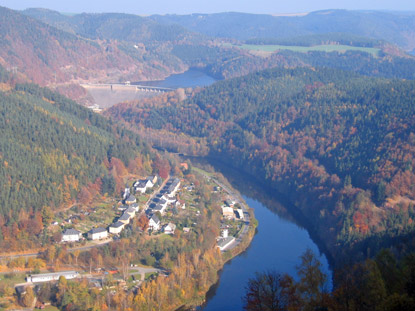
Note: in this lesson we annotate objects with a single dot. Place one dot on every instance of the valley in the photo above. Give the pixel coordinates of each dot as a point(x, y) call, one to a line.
point(173, 162)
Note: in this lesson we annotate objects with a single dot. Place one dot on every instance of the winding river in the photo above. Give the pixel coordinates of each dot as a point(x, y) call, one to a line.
point(277, 245)
point(280, 239)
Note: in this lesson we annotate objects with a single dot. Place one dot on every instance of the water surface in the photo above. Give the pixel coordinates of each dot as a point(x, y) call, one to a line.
point(190, 78)
point(278, 244)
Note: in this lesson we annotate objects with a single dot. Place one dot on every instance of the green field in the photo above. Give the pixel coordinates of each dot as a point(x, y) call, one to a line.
point(305, 49)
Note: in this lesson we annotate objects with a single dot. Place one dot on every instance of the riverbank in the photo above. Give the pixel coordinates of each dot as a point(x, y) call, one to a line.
point(242, 240)
point(277, 245)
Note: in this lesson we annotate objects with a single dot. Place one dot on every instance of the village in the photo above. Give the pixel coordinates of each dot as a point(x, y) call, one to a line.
point(159, 207)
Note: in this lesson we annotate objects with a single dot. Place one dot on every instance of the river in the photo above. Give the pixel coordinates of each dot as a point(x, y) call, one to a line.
point(278, 244)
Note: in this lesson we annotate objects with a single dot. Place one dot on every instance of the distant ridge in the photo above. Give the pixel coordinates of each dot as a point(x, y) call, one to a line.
point(394, 27)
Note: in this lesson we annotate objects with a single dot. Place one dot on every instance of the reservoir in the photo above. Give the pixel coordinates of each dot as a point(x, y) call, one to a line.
point(277, 245)
point(106, 95)
point(190, 78)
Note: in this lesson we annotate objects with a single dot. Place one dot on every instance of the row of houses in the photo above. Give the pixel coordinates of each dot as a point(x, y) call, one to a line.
point(166, 196)
point(129, 211)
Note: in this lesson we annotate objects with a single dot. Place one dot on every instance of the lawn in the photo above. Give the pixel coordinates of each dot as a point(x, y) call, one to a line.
point(12, 278)
point(305, 49)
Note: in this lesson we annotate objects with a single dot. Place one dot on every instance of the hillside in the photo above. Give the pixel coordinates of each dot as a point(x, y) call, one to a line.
point(46, 55)
point(397, 28)
point(54, 153)
point(109, 26)
point(154, 49)
point(338, 145)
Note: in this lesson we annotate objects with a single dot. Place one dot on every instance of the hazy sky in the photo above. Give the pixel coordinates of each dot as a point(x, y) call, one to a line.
point(208, 6)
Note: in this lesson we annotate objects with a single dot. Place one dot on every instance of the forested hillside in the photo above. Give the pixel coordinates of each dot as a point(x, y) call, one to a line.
point(338, 145)
point(125, 27)
point(46, 55)
point(394, 27)
point(53, 153)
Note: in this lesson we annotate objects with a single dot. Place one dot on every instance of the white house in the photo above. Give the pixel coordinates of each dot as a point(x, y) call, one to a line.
point(224, 243)
point(116, 227)
point(126, 193)
point(130, 200)
point(130, 211)
point(159, 208)
point(71, 235)
point(97, 233)
point(173, 187)
point(170, 228)
point(143, 185)
point(135, 207)
point(168, 199)
point(125, 218)
point(154, 223)
point(239, 213)
point(47, 277)
point(153, 179)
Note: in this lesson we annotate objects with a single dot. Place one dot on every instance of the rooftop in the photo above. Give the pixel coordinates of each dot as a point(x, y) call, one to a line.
point(117, 224)
point(71, 232)
point(97, 230)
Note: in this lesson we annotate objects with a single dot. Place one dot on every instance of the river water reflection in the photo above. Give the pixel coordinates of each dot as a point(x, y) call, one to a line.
point(278, 244)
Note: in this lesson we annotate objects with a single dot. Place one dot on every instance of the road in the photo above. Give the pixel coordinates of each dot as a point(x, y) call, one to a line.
point(81, 248)
point(238, 200)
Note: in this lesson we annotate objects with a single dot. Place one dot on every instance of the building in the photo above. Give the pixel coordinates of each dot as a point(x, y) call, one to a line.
point(240, 214)
point(224, 243)
point(126, 193)
point(130, 211)
point(159, 208)
point(48, 277)
point(154, 223)
point(170, 228)
point(173, 187)
point(135, 207)
point(153, 179)
point(122, 207)
point(227, 212)
point(125, 218)
point(143, 185)
point(97, 234)
point(130, 200)
point(116, 227)
point(71, 235)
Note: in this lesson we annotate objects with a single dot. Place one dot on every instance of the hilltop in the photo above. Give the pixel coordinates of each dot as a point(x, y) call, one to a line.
point(394, 27)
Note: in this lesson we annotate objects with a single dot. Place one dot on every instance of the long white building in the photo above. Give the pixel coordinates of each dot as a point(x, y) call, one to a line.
point(48, 277)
